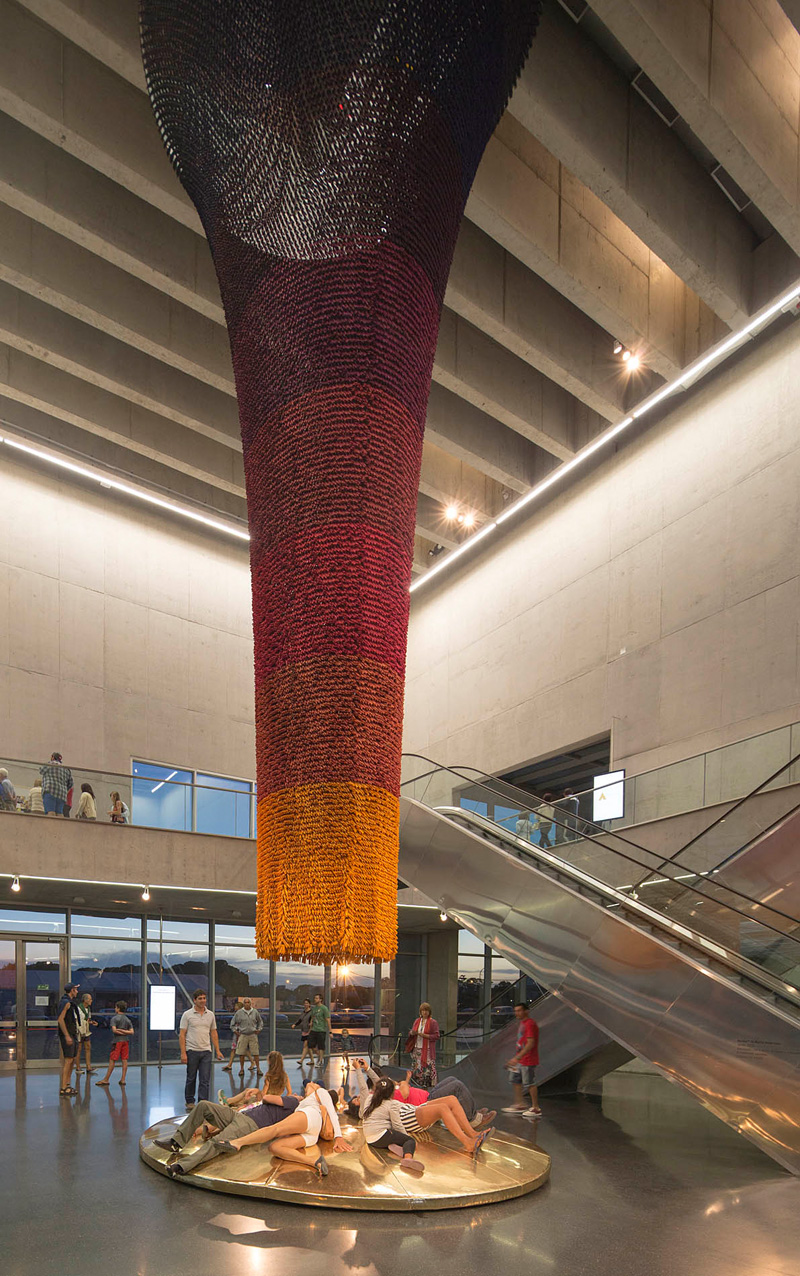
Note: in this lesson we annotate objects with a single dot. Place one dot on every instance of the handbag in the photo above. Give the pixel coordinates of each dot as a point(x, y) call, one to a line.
point(411, 1042)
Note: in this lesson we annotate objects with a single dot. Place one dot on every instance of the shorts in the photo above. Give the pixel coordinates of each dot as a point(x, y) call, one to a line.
point(119, 1050)
point(52, 805)
point(67, 1050)
point(524, 1075)
point(314, 1120)
point(247, 1043)
point(409, 1119)
point(316, 1041)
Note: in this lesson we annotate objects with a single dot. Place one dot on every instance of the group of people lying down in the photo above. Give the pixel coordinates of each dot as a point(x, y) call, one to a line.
point(390, 1113)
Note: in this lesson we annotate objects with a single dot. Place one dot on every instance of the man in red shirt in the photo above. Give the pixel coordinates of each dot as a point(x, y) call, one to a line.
point(522, 1067)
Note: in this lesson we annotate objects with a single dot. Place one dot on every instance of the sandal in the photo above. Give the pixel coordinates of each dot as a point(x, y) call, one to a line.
point(321, 1166)
point(480, 1142)
point(67, 1090)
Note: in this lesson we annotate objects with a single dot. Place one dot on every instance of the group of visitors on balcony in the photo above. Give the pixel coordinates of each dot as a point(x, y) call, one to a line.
point(52, 792)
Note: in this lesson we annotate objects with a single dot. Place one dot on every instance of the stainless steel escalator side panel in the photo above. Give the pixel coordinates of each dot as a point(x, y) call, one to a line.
point(769, 871)
point(741, 1061)
point(618, 957)
point(655, 1000)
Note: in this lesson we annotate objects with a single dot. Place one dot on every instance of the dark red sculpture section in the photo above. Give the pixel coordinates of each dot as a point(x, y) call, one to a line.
point(329, 148)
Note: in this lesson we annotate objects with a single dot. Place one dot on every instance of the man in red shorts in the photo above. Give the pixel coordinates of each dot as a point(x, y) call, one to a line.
point(121, 1029)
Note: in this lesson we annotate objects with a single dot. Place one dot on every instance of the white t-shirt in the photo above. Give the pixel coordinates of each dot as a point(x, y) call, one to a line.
point(198, 1028)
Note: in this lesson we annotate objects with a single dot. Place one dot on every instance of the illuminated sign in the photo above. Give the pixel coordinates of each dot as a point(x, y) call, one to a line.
point(162, 1008)
point(608, 797)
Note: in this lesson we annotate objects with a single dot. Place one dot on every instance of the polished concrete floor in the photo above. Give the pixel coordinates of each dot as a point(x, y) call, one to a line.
point(643, 1182)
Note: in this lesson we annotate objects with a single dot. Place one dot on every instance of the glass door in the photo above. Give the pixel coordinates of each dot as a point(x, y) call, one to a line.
point(43, 963)
point(8, 1002)
point(32, 974)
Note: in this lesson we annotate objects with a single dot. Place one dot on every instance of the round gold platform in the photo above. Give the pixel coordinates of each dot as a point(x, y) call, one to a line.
point(364, 1179)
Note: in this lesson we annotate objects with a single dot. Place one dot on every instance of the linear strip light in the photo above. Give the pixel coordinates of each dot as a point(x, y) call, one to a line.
point(686, 378)
point(134, 886)
point(140, 493)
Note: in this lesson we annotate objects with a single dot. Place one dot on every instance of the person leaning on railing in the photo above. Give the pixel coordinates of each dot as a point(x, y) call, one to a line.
point(8, 794)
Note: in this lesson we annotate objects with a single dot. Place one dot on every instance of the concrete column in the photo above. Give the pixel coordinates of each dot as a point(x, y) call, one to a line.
point(442, 980)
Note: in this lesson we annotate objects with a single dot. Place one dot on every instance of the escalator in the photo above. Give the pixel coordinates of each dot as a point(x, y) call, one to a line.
point(703, 988)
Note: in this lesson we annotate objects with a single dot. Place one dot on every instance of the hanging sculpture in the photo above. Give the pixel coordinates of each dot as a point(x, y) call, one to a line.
point(329, 147)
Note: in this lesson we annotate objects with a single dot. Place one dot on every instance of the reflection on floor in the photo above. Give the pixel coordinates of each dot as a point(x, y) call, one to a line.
point(643, 1181)
point(369, 1178)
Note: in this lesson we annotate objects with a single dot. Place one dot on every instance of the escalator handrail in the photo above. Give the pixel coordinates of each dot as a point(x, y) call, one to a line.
point(614, 850)
point(677, 931)
point(670, 859)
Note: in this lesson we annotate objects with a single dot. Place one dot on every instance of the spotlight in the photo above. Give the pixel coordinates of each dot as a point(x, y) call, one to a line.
point(443, 916)
point(15, 886)
point(469, 520)
point(626, 354)
point(451, 513)
point(633, 362)
point(617, 347)
point(146, 894)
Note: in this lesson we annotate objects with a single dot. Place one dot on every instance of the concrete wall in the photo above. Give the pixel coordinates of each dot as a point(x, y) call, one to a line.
point(122, 632)
point(657, 599)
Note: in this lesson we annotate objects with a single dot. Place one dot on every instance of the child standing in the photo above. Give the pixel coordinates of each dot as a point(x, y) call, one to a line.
point(347, 1045)
point(121, 1028)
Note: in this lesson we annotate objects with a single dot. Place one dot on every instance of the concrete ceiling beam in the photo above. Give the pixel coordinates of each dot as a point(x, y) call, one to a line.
point(733, 73)
point(75, 280)
point(497, 293)
point(56, 338)
point(56, 393)
point(532, 205)
point(108, 32)
point(173, 481)
point(483, 443)
point(56, 88)
point(584, 110)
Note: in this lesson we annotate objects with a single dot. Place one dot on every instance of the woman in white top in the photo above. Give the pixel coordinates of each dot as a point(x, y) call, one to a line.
point(33, 803)
point(301, 1130)
point(381, 1113)
point(87, 810)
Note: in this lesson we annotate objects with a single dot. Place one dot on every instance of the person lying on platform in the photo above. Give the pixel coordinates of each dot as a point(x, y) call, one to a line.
point(314, 1118)
point(412, 1120)
point(219, 1122)
point(405, 1092)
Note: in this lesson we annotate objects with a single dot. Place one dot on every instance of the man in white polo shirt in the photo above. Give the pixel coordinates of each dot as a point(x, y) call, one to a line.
point(198, 1035)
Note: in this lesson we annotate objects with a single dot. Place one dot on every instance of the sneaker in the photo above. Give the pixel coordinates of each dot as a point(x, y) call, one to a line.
point(532, 1114)
point(222, 1098)
point(516, 1109)
point(175, 1170)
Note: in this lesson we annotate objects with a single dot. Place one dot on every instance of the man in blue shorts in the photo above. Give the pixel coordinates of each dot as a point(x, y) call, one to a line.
point(522, 1067)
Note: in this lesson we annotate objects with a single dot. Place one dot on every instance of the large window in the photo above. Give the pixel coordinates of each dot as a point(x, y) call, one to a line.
point(470, 982)
point(162, 797)
point(33, 922)
point(111, 970)
point(169, 797)
point(295, 982)
point(239, 973)
point(182, 965)
point(223, 806)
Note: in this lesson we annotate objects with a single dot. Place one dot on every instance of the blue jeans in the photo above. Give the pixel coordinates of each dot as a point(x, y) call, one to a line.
point(197, 1061)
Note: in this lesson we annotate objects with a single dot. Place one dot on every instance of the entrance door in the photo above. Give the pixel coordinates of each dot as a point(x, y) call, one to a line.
point(32, 974)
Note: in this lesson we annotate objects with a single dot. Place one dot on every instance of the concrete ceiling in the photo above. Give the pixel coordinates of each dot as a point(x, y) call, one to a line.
point(598, 213)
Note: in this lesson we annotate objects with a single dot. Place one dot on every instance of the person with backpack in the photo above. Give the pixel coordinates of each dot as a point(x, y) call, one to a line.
point(118, 810)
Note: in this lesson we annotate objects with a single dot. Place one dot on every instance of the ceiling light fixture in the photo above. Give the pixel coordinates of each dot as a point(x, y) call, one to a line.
point(146, 894)
point(633, 363)
point(443, 916)
point(469, 519)
point(15, 885)
point(127, 489)
point(626, 354)
point(713, 358)
point(451, 513)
